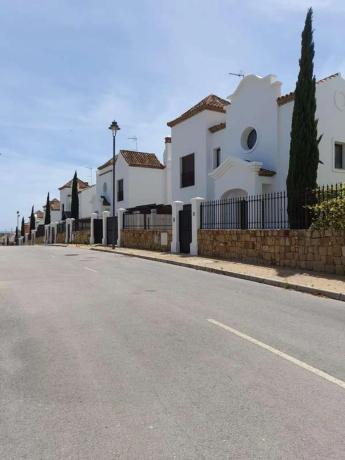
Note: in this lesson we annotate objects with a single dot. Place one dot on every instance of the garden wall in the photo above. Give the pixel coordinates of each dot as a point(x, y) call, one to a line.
point(60, 237)
point(156, 240)
point(81, 237)
point(319, 250)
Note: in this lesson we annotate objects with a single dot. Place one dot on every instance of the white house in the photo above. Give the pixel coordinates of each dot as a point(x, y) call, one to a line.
point(140, 179)
point(240, 145)
point(87, 201)
point(55, 212)
point(66, 198)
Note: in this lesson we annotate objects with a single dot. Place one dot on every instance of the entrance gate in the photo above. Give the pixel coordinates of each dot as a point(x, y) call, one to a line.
point(98, 230)
point(112, 230)
point(185, 228)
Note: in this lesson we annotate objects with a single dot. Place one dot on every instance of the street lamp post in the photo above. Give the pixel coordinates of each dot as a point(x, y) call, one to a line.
point(17, 232)
point(114, 127)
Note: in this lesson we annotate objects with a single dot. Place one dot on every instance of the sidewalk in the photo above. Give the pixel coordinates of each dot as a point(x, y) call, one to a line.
point(327, 285)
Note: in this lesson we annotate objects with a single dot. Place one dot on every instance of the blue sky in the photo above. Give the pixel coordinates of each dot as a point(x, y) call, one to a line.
point(68, 67)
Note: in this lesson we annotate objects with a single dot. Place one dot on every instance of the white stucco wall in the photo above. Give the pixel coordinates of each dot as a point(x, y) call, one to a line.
point(104, 184)
point(330, 100)
point(65, 199)
point(192, 136)
point(146, 186)
point(254, 104)
point(55, 216)
point(87, 202)
point(140, 185)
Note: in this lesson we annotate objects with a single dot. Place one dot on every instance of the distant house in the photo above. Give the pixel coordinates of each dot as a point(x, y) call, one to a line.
point(39, 218)
point(140, 179)
point(66, 196)
point(55, 211)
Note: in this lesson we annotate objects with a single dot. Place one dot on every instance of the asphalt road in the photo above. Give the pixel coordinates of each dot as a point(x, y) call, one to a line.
point(112, 357)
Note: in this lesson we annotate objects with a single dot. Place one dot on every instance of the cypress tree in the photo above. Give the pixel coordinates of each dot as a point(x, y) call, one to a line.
point(32, 221)
point(16, 236)
point(47, 213)
point(75, 198)
point(22, 230)
point(304, 150)
point(63, 214)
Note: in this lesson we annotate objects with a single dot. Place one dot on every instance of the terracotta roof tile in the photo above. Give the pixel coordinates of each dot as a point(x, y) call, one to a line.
point(281, 100)
point(211, 102)
point(215, 128)
point(81, 184)
point(141, 159)
point(107, 163)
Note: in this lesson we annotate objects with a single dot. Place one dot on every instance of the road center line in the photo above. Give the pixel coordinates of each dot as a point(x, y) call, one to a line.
point(91, 269)
point(283, 355)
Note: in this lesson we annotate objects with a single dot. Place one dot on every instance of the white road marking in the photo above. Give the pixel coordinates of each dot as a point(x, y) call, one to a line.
point(283, 355)
point(91, 269)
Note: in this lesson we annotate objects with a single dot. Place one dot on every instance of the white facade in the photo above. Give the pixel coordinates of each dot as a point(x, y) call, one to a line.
point(255, 105)
point(87, 202)
point(142, 185)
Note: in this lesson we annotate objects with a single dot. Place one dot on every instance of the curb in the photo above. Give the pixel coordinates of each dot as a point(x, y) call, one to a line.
point(256, 279)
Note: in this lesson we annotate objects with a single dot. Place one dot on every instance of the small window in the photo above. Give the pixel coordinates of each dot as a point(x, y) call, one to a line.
point(187, 171)
point(249, 138)
point(120, 190)
point(104, 188)
point(339, 160)
point(217, 157)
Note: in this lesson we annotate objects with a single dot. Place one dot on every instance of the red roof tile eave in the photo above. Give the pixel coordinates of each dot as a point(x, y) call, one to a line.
point(184, 117)
point(286, 98)
point(212, 103)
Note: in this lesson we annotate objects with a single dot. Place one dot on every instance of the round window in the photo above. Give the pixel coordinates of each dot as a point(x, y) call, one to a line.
point(249, 138)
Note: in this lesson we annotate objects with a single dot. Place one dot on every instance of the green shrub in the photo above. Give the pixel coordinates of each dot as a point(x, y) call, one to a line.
point(330, 213)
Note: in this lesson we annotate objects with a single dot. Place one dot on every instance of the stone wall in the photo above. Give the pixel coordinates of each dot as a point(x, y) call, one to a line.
point(322, 251)
point(39, 240)
point(82, 237)
point(60, 237)
point(147, 239)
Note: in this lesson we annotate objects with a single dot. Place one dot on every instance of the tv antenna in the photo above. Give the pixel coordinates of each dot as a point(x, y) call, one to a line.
point(135, 139)
point(240, 74)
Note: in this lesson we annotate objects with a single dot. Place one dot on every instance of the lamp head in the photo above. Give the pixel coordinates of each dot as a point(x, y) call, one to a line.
point(114, 127)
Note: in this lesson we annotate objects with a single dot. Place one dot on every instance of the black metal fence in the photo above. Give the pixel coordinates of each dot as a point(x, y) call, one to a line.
point(83, 224)
point(40, 231)
point(61, 227)
point(143, 221)
point(266, 211)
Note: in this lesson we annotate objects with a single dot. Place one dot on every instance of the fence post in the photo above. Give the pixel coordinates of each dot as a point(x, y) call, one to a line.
point(177, 206)
point(55, 232)
point(33, 236)
point(67, 231)
point(92, 229)
point(71, 222)
point(120, 213)
point(106, 214)
point(196, 204)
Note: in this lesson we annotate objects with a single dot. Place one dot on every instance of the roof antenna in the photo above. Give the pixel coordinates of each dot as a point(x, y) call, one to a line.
point(134, 138)
point(240, 74)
